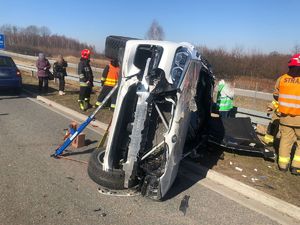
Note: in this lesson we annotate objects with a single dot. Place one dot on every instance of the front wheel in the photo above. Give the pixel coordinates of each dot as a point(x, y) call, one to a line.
point(112, 179)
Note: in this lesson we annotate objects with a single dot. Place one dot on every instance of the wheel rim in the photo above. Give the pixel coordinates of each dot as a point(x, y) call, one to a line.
point(100, 157)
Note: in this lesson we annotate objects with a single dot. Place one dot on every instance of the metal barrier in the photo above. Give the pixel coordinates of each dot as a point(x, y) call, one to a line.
point(256, 116)
point(34, 58)
point(72, 77)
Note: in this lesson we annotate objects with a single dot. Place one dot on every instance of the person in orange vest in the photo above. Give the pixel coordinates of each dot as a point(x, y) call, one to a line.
point(109, 79)
point(287, 92)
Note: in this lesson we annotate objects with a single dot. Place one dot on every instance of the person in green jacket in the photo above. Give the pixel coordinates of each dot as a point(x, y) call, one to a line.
point(225, 98)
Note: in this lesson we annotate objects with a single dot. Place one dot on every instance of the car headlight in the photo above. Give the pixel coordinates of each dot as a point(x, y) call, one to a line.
point(181, 59)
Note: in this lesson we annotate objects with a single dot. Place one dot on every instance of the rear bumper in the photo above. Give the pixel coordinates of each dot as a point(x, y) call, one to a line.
point(11, 83)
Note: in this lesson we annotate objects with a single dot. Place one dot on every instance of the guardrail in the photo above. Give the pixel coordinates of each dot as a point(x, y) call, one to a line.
point(72, 77)
point(253, 94)
point(34, 58)
point(256, 116)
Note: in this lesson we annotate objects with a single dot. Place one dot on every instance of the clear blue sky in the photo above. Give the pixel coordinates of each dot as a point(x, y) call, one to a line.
point(264, 25)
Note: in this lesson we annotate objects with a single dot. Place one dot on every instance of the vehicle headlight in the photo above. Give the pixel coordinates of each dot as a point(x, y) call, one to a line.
point(181, 59)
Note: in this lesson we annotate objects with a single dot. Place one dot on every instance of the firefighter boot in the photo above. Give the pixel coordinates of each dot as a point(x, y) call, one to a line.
point(81, 105)
point(97, 104)
point(295, 171)
point(87, 104)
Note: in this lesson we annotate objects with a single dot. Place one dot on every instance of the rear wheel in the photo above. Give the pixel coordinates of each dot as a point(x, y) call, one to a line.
point(112, 179)
point(115, 45)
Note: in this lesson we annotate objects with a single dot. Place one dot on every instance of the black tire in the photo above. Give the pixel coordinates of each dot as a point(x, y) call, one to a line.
point(115, 45)
point(112, 179)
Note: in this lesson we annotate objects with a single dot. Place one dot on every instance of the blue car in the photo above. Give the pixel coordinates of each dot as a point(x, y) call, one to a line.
point(10, 75)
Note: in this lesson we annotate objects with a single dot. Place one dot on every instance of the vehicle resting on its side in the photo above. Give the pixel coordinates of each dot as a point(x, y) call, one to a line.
point(163, 86)
point(10, 76)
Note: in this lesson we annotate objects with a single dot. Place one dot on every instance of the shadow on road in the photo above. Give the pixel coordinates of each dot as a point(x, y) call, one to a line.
point(35, 91)
point(208, 159)
point(72, 153)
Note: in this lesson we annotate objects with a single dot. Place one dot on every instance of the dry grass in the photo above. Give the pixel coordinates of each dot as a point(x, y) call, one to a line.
point(269, 178)
point(70, 99)
point(252, 83)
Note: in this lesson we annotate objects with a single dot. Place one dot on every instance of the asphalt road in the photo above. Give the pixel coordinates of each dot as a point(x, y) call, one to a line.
point(37, 189)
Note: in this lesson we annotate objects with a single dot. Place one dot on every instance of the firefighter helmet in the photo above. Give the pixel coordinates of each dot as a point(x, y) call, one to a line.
point(295, 60)
point(85, 53)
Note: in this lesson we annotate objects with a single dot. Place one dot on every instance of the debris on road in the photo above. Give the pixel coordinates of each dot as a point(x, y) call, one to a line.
point(238, 169)
point(97, 210)
point(255, 170)
point(184, 204)
point(118, 193)
point(244, 176)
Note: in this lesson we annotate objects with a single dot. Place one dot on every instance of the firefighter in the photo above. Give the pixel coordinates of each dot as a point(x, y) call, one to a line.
point(109, 79)
point(85, 79)
point(287, 92)
point(225, 99)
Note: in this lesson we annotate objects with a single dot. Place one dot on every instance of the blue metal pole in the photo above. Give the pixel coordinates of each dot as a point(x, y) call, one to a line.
point(82, 126)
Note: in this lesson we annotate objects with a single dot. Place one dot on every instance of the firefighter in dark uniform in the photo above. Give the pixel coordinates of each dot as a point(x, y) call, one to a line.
point(85, 79)
point(109, 79)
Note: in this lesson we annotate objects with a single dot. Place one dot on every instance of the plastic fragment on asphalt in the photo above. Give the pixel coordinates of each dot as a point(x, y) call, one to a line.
point(184, 204)
point(97, 210)
point(255, 170)
point(238, 169)
point(244, 176)
point(230, 163)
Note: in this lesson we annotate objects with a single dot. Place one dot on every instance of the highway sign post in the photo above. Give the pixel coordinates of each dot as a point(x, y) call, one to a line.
point(2, 41)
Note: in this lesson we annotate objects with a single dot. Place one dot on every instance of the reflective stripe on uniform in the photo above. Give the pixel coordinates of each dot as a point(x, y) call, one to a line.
point(225, 104)
point(290, 105)
point(110, 82)
point(98, 103)
point(83, 84)
point(285, 160)
point(296, 158)
point(295, 97)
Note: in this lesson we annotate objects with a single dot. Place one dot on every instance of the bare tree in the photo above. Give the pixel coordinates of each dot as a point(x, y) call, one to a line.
point(45, 31)
point(155, 32)
point(296, 49)
point(32, 40)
